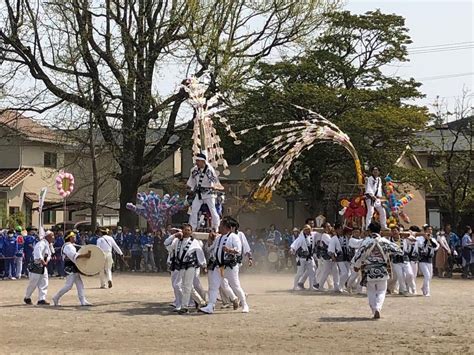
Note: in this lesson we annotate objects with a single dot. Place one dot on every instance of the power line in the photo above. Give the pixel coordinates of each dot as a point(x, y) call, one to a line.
point(447, 76)
point(442, 45)
point(441, 50)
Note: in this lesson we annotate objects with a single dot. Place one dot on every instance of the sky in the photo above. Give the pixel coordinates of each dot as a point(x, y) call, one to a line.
point(445, 31)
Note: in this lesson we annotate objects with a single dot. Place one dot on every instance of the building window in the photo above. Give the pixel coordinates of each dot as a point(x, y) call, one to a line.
point(49, 217)
point(50, 160)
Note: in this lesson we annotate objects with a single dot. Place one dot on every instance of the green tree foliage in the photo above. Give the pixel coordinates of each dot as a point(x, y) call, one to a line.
point(346, 76)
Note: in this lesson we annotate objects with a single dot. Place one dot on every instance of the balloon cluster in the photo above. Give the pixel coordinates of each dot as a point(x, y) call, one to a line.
point(155, 209)
point(393, 205)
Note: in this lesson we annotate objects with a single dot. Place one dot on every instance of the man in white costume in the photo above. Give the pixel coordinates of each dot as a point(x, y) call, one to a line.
point(106, 243)
point(373, 258)
point(189, 256)
point(303, 248)
point(69, 252)
point(203, 181)
point(226, 250)
point(373, 193)
point(38, 271)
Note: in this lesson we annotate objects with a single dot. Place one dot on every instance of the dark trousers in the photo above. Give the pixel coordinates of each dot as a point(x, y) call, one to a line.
point(136, 260)
point(10, 267)
point(119, 263)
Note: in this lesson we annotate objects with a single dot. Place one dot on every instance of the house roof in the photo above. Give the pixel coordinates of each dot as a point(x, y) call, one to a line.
point(456, 135)
point(28, 129)
point(31, 196)
point(12, 177)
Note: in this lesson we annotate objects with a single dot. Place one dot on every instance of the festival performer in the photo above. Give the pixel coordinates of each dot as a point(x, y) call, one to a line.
point(246, 250)
point(226, 249)
point(204, 183)
point(338, 249)
point(328, 265)
point(197, 279)
point(373, 193)
point(401, 263)
point(302, 247)
point(106, 243)
point(189, 256)
point(316, 255)
point(69, 252)
point(426, 247)
point(38, 271)
point(173, 269)
point(413, 254)
point(373, 258)
point(356, 240)
point(226, 294)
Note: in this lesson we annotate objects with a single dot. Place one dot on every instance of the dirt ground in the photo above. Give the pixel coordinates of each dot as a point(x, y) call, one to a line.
point(134, 317)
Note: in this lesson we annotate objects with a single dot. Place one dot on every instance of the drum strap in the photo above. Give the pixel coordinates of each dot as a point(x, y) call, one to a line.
point(185, 250)
point(221, 246)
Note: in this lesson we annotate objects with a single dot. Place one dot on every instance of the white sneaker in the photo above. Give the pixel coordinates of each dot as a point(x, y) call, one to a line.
point(12, 278)
point(56, 302)
point(245, 309)
point(297, 288)
point(209, 309)
point(85, 303)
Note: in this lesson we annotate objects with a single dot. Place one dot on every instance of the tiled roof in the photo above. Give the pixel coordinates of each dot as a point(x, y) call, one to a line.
point(28, 128)
point(12, 177)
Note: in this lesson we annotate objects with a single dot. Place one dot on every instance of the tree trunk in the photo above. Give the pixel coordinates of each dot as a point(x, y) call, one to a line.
point(95, 177)
point(128, 193)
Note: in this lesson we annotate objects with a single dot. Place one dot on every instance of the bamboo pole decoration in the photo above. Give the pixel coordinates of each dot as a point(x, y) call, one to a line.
point(293, 139)
point(205, 137)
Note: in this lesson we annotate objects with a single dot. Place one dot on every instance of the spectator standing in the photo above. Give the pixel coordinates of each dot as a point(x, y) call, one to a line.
point(454, 243)
point(29, 246)
point(274, 235)
point(10, 251)
point(2, 255)
point(259, 253)
point(467, 251)
point(19, 256)
point(159, 251)
point(136, 251)
point(58, 259)
point(146, 242)
point(442, 255)
point(119, 238)
point(92, 239)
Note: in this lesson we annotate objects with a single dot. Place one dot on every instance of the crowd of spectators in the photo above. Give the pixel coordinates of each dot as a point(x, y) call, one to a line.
point(145, 251)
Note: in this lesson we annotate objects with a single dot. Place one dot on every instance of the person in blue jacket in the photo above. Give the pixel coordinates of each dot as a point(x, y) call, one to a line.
point(93, 239)
point(146, 242)
point(58, 259)
point(136, 251)
point(10, 251)
point(29, 245)
point(2, 261)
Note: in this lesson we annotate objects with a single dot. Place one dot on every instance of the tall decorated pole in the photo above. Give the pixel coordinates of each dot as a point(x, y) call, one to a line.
point(205, 137)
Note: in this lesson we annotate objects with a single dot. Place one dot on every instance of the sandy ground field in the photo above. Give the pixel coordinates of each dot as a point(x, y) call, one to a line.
point(134, 317)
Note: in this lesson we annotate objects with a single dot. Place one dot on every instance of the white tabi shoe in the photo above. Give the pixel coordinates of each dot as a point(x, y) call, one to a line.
point(56, 302)
point(86, 304)
point(209, 309)
point(245, 309)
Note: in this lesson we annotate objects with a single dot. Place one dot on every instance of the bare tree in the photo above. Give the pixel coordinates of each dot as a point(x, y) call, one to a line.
point(452, 158)
point(120, 49)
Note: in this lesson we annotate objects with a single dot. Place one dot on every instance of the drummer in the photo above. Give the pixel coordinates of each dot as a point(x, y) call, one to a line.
point(70, 255)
